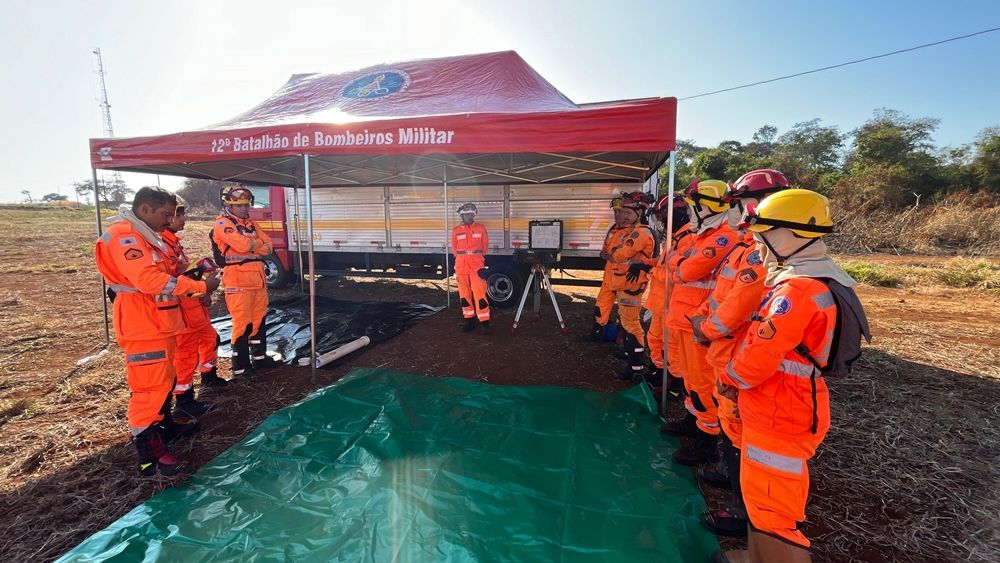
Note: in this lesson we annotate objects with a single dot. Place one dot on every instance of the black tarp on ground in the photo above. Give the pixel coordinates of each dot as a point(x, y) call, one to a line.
point(337, 323)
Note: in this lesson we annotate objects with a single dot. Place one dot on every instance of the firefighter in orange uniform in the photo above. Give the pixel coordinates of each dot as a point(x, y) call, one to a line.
point(628, 240)
point(197, 346)
point(774, 374)
point(132, 259)
point(240, 248)
point(694, 280)
point(722, 322)
point(469, 243)
point(657, 270)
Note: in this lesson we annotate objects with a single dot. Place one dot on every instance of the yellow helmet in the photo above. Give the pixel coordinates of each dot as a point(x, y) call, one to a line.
point(236, 195)
point(805, 212)
point(708, 194)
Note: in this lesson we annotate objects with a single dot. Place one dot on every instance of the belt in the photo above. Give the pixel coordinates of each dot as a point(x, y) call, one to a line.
point(468, 252)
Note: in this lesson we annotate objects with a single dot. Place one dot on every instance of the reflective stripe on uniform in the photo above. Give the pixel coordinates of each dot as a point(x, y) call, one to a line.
point(732, 375)
point(798, 369)
point(170, 286)
point(241, 257)
point(106, 237)
point(146, 356)
point(728, 272)
point(468, 252)
point(180, 388)
point(699, 284)
point(777, 461)
point(721, 328)
point(118, 288)
point(629, 301)
point(824, 300)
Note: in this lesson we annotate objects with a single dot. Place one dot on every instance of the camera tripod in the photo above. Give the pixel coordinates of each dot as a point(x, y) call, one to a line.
point(543, 279)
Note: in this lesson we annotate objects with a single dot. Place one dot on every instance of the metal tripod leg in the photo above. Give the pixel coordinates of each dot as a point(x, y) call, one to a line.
point(552, 295)
point(524, 297)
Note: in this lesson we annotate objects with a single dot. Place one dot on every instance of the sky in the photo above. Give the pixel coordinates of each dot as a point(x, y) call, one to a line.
point(181, 65)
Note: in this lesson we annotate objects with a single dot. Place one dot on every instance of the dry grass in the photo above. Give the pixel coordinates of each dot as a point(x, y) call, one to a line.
point(907, 472)
point(960, 224)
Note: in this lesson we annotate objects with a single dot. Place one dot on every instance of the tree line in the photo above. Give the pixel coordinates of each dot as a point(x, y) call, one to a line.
point(890, 161)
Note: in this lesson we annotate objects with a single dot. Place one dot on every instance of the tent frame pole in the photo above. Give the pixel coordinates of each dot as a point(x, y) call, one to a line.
point(312, 271)
point(298, 238)
point(447, 242)
point(666, 282)
point(100, 231)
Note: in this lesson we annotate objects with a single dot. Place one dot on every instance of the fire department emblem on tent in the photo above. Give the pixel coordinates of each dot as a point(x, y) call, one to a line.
point(374, 85)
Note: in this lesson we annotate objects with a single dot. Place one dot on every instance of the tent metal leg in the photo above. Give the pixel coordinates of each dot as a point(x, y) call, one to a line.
point(100, 231)
point(298, 239)
point(666, 293)
point(447, 243)
point(312, 270)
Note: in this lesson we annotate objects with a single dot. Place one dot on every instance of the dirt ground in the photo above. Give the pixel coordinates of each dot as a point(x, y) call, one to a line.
point(907, 472)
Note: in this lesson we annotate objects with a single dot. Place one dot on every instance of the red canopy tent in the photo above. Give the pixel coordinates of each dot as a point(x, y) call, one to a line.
point(483, 119)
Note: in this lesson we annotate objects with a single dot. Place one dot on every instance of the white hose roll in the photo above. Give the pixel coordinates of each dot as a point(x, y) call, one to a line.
point(332, 355)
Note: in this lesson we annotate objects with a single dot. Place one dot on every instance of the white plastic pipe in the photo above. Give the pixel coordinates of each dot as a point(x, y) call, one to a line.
point(332, 355)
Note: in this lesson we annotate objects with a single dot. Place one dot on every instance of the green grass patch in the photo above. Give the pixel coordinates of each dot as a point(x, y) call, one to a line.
point(980, 274)
point(870, 273)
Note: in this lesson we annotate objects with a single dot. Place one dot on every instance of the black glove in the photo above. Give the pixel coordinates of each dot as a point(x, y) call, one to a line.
point(483, 272)
point(633, 272)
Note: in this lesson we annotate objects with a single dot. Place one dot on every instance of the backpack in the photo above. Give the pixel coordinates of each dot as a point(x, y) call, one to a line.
point(851, 327)
point(217, 254)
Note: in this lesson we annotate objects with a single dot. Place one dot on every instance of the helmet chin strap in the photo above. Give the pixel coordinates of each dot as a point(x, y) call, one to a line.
point(782, 260)
point(701, 220)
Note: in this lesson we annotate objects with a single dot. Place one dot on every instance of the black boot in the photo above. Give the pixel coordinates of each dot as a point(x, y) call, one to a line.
point(635, 353)
point(212, 379)
point(683, 427)
point(241, 356)
point(724, 522)
point(717, 475)
point(470, 324)
point(171, 430)
point(151, 449)
point(187, 404)
point(700, 450)
point(485, 327)
point(259, 359)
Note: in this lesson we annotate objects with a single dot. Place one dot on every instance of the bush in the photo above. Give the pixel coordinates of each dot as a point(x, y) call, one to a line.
point(871, 274)
point(981, 274)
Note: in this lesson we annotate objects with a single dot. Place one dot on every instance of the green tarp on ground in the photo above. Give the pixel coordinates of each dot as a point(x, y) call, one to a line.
point(386, 466)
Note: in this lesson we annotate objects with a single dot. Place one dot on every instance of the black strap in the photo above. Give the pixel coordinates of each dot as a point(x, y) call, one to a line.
point(793, 225)
point(240, 229)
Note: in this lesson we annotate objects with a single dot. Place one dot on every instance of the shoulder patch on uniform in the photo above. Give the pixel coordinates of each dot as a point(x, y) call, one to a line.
point(708, 253)
point(780, 306)
point(722, 240)
point(635, 234)
point(229, 230)
point(127, 241)
point(221, 222)
point(748, 275)
point(629, 242)
point(766, 330)
point(754, 258)
point(133, 254)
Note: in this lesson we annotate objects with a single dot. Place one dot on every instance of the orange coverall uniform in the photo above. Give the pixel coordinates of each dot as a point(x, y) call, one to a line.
point(621, 245)
point(469, 244)
point(146, 316)
point(198, 344)
point(693, 281)
point(655, 299)
point(784, 402)
point(244, 247)
point(739, 288)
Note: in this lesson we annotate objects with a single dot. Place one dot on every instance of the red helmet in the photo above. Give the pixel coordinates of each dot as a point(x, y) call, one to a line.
point(664, 205)
point(757, 184)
